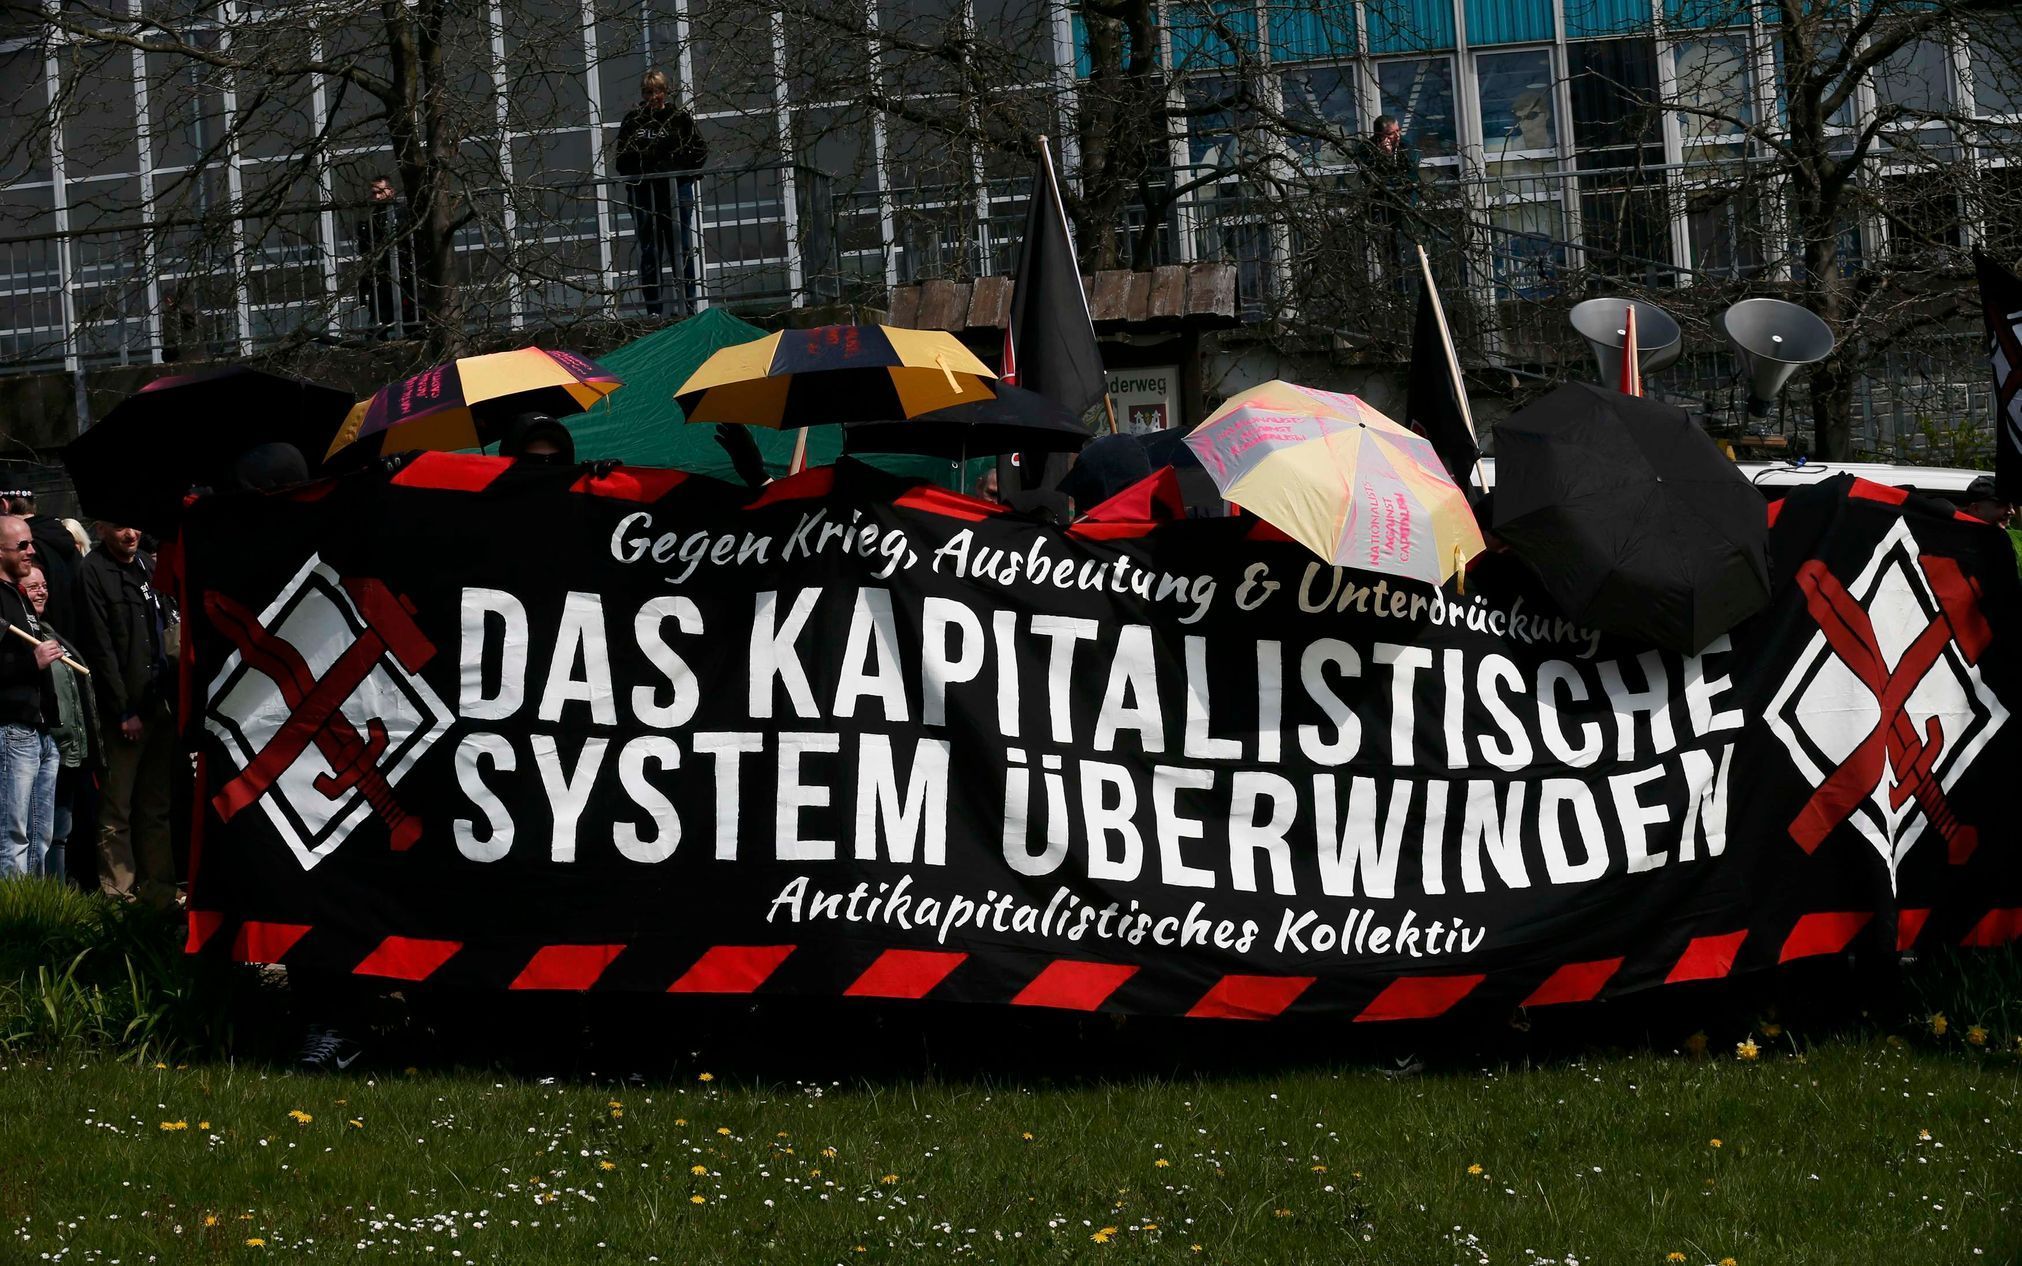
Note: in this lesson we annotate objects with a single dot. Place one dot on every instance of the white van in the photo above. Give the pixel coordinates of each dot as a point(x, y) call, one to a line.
point(1777, 478)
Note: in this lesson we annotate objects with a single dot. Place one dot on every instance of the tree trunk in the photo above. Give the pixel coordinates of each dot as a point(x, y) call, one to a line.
point(424, 151)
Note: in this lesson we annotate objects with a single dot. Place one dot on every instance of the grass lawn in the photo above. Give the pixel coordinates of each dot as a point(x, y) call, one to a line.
point(1856, 1151)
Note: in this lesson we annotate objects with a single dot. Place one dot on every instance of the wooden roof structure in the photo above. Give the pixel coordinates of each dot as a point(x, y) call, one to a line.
point(1171, 296)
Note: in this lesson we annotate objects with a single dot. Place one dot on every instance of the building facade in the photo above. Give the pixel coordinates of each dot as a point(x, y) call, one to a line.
point(162, 205)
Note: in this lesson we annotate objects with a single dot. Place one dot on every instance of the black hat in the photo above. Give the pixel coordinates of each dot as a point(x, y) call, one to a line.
point(1981, 489)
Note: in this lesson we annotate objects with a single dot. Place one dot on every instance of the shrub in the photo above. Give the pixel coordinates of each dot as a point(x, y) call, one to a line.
point(80, 971)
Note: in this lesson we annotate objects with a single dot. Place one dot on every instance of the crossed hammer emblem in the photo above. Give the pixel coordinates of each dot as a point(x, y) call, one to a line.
point(315, 703)
point(1911, 757)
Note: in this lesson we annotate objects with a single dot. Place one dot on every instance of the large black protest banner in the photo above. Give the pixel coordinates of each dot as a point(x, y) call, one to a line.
point(502, 727)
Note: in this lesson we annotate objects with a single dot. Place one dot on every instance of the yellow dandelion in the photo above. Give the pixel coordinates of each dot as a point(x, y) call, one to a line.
point(1319, 1169)
point(160, 1065)
point(1474, 1171)
point(1939, 1024)
point(606, 1166)
point(615, 1103)
point(1674, 1257)
point(1713, 1143)
point(1727, 1261)
point(888, 1179)
point(723, 1129)
point(780, 1134)
point(680, 1120)
point(355, 1123)
point(698, 1199)
point(1976, 1035)
point(203, 1125)
point(1771, 1028)
point(828, 1153)
point(1746, 1049)
point(705, 1077)
point(814, 1173)
point(1162, 1163)
point(175, 1125)
point(1027, 1136)
point(1193, 1248)
point(1281, 1213)
point(254, 1241)
point(616, 1113)
point(698, 1170)
point(859, 1249)
point(1101, 1237)
point(1923, 1136)
point(300, 1116)
point(210, 1219)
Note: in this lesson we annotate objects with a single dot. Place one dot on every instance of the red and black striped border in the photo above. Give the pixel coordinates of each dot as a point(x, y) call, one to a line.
point(1068, 984)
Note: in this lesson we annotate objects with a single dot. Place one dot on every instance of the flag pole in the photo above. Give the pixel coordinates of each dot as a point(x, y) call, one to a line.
point(1452, 361)
point(1060, 208)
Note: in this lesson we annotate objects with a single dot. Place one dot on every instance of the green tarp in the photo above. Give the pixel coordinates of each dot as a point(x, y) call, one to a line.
point(640, 425)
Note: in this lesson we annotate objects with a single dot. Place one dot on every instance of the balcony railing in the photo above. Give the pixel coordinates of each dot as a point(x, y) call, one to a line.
point(532, 255)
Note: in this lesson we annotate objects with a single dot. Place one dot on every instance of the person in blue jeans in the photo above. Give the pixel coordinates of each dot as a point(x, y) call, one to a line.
point(74, 728)
point(28, 756)
point(656, 139)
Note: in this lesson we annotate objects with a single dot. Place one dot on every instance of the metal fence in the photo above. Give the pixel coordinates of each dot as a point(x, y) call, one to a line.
point(532, 255)
point(1319, 251)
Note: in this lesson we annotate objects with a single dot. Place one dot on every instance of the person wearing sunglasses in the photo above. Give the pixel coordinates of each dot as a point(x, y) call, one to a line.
point(28, 709)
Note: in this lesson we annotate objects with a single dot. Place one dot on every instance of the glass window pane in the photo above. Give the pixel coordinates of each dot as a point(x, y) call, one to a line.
point(1321, 99)
point(1418, 93)
point(1715, 86)
point(1996, 47)
point(1917, 76)
point(1517, 115)
point(24, 97)
point(1613, 84)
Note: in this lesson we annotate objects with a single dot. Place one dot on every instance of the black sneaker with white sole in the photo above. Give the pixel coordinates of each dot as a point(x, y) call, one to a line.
point(326, 1050)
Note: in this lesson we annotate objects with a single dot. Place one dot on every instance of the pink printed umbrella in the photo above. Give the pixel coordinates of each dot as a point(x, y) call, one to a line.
point(1340, 478)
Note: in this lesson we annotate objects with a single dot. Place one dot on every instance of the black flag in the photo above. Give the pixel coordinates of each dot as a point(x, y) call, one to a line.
point(1433, 406)
point(1050, 346)
point(2001, 303)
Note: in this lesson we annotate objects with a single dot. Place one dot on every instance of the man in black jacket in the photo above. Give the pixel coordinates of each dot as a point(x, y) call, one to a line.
point(28, 756)
point(387, 249)
point(656, 138)
point(126, 632)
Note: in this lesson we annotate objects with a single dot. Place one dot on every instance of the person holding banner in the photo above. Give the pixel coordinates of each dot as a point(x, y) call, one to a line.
point(28, 756)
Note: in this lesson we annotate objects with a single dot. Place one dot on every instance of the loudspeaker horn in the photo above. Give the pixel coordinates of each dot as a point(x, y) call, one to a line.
point(1604, 324)
point(1773, 340)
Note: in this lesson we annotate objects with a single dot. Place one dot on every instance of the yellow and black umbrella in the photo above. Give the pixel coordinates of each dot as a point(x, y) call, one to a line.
point(458, 404)
point(834, 373)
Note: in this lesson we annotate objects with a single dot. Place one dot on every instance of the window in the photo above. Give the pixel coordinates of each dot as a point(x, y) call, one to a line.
point(1518, 117)
point(1625, 219)
point(1519, 133)
point(1916, 77)
point(1418, 93)
point(1715, 92)
point(1321, 99)
point(1997, 67)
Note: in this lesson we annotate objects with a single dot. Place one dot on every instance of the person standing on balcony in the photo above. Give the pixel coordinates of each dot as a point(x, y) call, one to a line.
point(657, 140)
point(388, 252)
point(1390, 174)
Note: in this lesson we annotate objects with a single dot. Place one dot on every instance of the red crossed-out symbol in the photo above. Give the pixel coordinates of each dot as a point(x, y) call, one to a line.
point(1911, 757)
point(315, 703)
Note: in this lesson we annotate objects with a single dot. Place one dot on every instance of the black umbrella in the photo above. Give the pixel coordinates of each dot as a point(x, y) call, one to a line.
point(135, 464)
point(1011, 421)
point(1632, 518)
